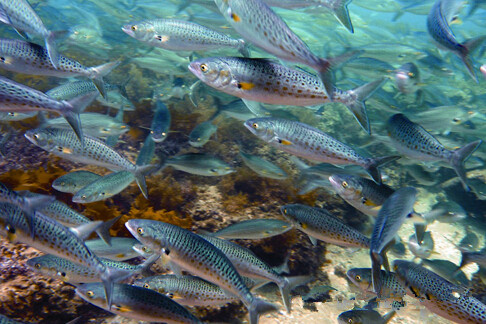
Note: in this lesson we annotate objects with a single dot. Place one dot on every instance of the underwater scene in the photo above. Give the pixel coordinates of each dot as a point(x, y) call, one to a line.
point(242, 161)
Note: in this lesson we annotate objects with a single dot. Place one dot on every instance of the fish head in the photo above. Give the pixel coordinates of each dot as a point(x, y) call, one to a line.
point(361, 278)
point(221, 170)
point(290, 212)
point(93, 293)
point(87, 196)
point(158, 137)
point(142, 31)
point(143, 250)
point(44, 266)
point(353, 317)
point(214, 72)
point(261, 127)
point(41, 137)
point(347, 186)
point(152, 234)
point(83, 34)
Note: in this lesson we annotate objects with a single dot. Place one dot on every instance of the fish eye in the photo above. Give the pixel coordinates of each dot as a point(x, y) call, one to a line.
point(103, 193)
point(410, 74)
point(254, 125)
point(214, 170)
point(146, 285)
point(37, 265)
point(344, 184)
point(140, 231)
point(285, 211)
point(357, 277)
point(134, 28)
point(456, 120)
point(36, 136)
point(170, 295)
point(204, 67)
point(83, 197)
point(89, 293)
point(164, 134)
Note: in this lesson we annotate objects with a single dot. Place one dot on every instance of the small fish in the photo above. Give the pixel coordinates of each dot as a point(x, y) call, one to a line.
point(391, 287)
point(29, 58)
point(363, 194)
point(64, 144)
point(121, 248)
point(311, 143)
point(104, 187)
point(446, 212)
point(253, 229)
point(266, 81)
point(179, 35)
point(237, 109)
point(263, 167)
point(201, 134)
point(200, 164)
point(414, 141)
point(16, 116)
point(478, 257)
point(137, 303)
point(261, 26)
point(448, 270)
point(199, 257)
point(146, 152)
point(439, 295)
point(160, 122)
point(20, 98)
point(424, 249)
point(390, 218)
point(325, 170)
point(20, 15)
point(407, 78)
point(74, 181)
point(398, 249)
point(470, 242)
point(364, 316)
point(319, 224)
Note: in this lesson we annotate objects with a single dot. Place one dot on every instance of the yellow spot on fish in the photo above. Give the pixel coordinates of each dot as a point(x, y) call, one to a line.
point(304, 226)
point(122, 309)
point(120, 255)
point(285, 142)
point(368, 202)
point(235, 17)
point(246, 85)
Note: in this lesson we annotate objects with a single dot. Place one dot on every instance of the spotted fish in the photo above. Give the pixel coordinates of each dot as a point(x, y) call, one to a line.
point(391, 287)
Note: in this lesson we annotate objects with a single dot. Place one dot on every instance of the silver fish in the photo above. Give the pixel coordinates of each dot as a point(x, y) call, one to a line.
point(263, 167)
point(253, 229)
point(160, 122)
point(201, 134)
point(199, 163)
point(105, 187)
point(121, 248)
point(424, 249)
point(448, 270)
point(74, 181)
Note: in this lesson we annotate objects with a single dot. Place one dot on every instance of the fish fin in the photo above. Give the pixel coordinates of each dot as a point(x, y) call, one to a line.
point(376, 262)
point(373, 164)
point(76, 106)
point(175, 268)
point(259, 307)
point(284, 142)
point(287, 285)
point(76, 320)
point(301, 165)
point(104, 230)
point(145, 266)
point(284, 267)
point(52, 49)
point(85, 230)
point(326, 76)
point(140, 173)
point(313, 240)
point(109, 277)
point(420, 232)
point(358, 106)
point(112, 140)
point(255, 107)
point(192, 91)
point(98, 72)
point(4, 16)
point(467, 47)
point(341, 13)
point(388, 316)
point(459, 156)
point(243, 48)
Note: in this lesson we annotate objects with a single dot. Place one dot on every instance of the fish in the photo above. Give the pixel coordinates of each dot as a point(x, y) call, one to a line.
point(121, 248)
point(407, 78)
point(180, 35)
point(364, 316)
point(305, 141)
point(16, 116)
point(319, 224)
point(470, 241)
point(414, 141)
point(199, 257)
point(160, 122)
point(448, 270)
point(263, 167)
point(137, 303)
point(266, 81)
point(72, 182)
point(325, 170)
point(438, 20)
point(104, 187)
point(202, 164)
point(424, 249)
point(29, 58)
point(63, 143)
point(363, 194)
point(483, 70)
point(439, 295)
point(20, 15)
point(201, 134)
point(146, 152)
point(56, 239)
point(20, 98)
point(249, 265)
point(390, 218)
point(237, 109)
point(68, 271)
point(447, 211)
point(253, 229)
point(391, 287)
point(256, 22)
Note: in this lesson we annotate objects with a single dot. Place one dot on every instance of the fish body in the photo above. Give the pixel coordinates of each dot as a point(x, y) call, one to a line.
point(266, 81)
point(137, 303)
point(439, 295)
point(160, 122)
point(121, 248)
point(414, 141)
point(70, 90)
point(201, 134)
point(308, 142)
point(64, 144)
point(74, 181)
point(200, 164)
point(364, 316)
point(263, 167)
point(363, 194)
point(319, 224)
point(470, 242)
point(197, 256)
point(105, 187)
point(392, 288)
point(179, 35)
point(448, 270)
point(253, 229)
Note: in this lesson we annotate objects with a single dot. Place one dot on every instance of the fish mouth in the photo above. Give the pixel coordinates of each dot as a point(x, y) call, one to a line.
point(247, 124)
point(194, 68)
point(334, 181)
point(127, 30)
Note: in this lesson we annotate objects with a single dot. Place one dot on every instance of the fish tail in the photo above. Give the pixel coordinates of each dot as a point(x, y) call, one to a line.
point(104, 230)
point(358, 106)
point(458, 158)
point(109, 277)
point(324, 69)
point(376, 272)
point(243, 48)
point(98, 72)
point(140, 173)
point(466, 258)
point(74, 108)
point(259, 307)
point(341, 13)
point(52, 49)
point(466, 48)
point(286, 287)
point(373, 164)
point(145, 266)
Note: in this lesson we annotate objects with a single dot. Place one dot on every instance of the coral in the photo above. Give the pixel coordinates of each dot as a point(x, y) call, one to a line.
point(234, 203)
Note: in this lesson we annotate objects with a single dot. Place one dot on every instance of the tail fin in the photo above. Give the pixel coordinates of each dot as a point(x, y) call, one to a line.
point(287, 285)
point(376, 262)
point(98, 72)
point(109, 277)
point(373, 164)
point(458, 158)
point(341, 13)
point(85, 230)
point(388, 316)
point(358, 107)
point(52, 49)
point(74, 108)
point(144, 268)
point(326, 77)
point(140, 173)
point(243, 48)
point(259, 307)
point(466, 48)
point(104, 230)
